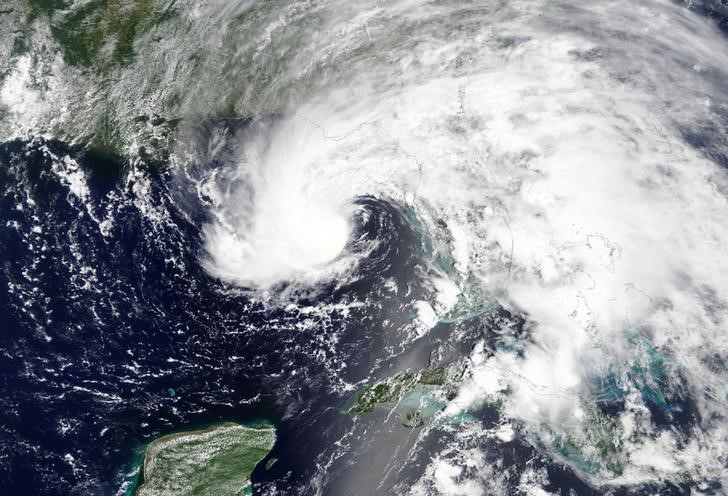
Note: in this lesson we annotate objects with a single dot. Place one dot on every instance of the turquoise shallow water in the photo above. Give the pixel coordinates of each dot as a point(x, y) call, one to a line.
point(519, 182)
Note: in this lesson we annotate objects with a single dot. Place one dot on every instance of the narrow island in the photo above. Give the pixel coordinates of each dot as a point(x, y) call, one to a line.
point(217, 460)
point(415, 397)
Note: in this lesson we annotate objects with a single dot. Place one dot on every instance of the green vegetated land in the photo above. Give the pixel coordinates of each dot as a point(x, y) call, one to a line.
point(215, 461)
point(414, 397)
point(99, 33)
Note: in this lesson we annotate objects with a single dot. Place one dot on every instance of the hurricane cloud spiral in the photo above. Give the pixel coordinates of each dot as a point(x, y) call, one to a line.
point(556, 140)
point(564, 162)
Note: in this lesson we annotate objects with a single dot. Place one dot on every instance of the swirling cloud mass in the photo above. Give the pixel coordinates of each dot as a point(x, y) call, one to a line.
point(566, 162)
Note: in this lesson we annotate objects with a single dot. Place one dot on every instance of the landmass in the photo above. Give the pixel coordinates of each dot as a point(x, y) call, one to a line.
point(415, 397)
point(218, 460)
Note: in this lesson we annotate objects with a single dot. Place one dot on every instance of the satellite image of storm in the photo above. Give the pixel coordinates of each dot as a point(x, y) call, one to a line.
point(363, 247)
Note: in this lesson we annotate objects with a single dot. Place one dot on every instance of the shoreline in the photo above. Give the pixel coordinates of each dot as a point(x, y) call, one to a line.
point(175, 441)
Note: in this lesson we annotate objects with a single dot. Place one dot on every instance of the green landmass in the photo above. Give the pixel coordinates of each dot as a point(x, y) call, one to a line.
point(437, 244)
point(597, 447)
point(415, 397)
point(99, 33)
point(215, 461)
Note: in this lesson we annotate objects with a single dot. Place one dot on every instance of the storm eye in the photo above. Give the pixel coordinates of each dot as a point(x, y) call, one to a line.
point(384, 247)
